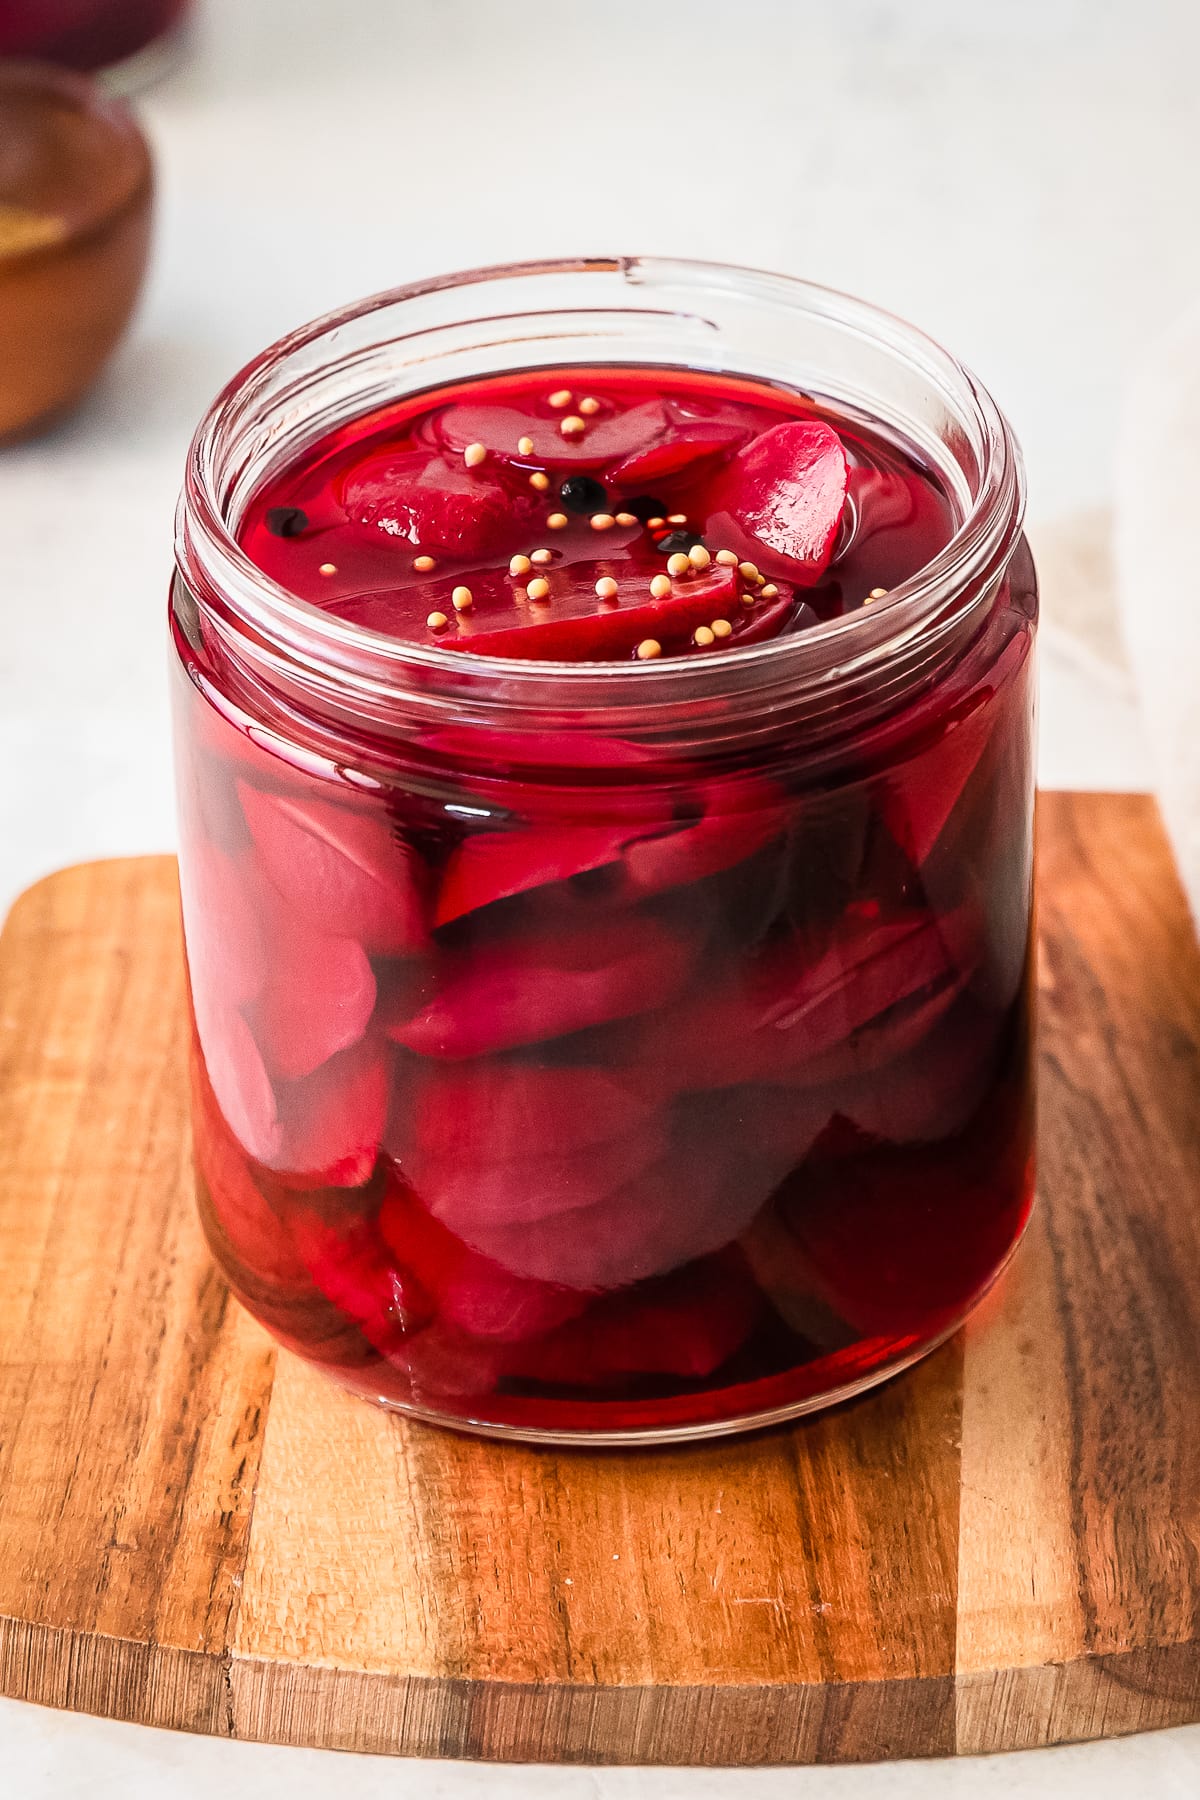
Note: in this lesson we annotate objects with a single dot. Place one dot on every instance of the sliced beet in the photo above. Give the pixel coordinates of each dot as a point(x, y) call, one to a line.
point(500, 752)
point(686, 1324)
point(695, 1200)
point(789, 1009)
point(239, 1078)
point(684, 453)
point(444, 1364)
point(919, 793)
point(319, 997)
point(735, 820)
point(575, 629)
point(606, 439)
point(495, 865)
point(547, 984)
point(931, 1090)
point(774, 1127)
point(909, 1206)
point(470, 1198)
point(226, 943)
point(500, 1111)
point(333, 1121)
point(784, 493)
point(344, 872)
point(739, 819)
point(355, 1268)
point(256, 1236)
point(472, 1293)
point(434, 502)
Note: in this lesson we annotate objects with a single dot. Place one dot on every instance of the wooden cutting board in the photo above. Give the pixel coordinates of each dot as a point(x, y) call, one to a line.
point(1001, 1548)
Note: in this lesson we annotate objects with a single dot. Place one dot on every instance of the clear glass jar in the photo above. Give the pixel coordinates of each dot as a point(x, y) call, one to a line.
point(90, 35)
point(722, 1110)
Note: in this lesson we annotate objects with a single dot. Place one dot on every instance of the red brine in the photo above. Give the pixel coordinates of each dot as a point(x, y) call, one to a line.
point(621, 1090)
point(556, 527)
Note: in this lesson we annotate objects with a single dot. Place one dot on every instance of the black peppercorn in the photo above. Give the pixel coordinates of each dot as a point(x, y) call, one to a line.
point(286, 521)
point(583, 494)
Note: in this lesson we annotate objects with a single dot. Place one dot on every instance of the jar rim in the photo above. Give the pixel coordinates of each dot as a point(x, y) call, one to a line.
point(286, 632)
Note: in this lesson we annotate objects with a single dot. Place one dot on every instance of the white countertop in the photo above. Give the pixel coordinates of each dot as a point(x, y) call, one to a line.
point(1019, 177)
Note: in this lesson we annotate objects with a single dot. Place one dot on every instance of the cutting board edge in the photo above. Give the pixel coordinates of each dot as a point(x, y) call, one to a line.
point(772, 1724)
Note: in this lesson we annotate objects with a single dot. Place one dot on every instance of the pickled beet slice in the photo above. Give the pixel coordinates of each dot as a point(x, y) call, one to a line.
point(607, 439)
point(784, 1013)
point(319, 998)
point(445, 1364)
point(503, 1111)
point(239, 1078)
point(932, 1090)
point(496, 865)
point(471, 1292)
point(735, 821)
point(577, 630)
point(686, 1324)
point(547, 984)
point(345, 873)
point(738, 820)
point(777, 1126)
point(697, 1199)
point(256, 1235)
point(909, 1206)
point(785, 491)
point(471, 1197)
point(436, 503)
point(356, 1270)
point(501, 752)
point(682, 453)
point(226, 944)
point(333, 1121)
point(917, 796)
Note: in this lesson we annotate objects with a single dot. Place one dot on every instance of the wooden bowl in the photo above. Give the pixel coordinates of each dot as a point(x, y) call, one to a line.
point(75, 202)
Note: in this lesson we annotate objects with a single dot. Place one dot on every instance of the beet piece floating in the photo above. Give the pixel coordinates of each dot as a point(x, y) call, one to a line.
point(491, 866)
point(500, 1110)
point(344, 872)
point(331, 1123)
point(782, 1015)
point(471, 1197)
point(684, 1324)
point(472, 1293)
point(575, 630)
point(645, 856)
point(319, 997)
point(239, 1079)
point(434, 502)
point(526, 990)
point(611, 436)
point(226, 937)
point(354, 1267)
point(684, 1206)
point(785, 493)
point(243, 1213)
point(691, 451)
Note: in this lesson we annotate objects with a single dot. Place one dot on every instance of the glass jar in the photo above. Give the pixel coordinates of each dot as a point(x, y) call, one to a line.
point(718, 1107)
point(90, 35)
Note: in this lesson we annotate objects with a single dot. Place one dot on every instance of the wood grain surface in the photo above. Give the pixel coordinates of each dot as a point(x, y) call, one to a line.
point(1000, 1548)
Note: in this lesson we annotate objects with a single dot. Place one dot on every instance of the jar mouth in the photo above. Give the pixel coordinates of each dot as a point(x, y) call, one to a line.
point(493, 319)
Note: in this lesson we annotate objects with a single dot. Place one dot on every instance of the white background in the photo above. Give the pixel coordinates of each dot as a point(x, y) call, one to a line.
point(1019, 177)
